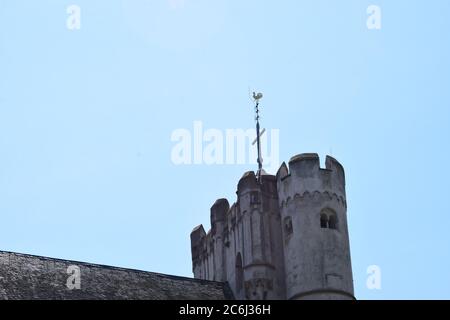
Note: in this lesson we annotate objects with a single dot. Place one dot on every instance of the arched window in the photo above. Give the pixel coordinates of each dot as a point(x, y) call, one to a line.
point(239, 273)
point(328, 219)
point(323, 220)
point(332, 223)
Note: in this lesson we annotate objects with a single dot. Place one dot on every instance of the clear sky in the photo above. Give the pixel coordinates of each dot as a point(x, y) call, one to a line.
point(86, 119)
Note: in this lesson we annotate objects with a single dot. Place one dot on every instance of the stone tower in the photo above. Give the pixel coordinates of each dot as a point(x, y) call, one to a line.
point(286, 237)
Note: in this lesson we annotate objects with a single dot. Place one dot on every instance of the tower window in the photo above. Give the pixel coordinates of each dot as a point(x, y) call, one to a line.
point(328, 219)
point(332, 222)
point(323, 220)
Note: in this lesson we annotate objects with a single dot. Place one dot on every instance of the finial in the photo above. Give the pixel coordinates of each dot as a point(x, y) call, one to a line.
point(257, 96)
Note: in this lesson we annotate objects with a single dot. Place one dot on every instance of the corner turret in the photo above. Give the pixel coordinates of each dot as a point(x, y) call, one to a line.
point(316, 243)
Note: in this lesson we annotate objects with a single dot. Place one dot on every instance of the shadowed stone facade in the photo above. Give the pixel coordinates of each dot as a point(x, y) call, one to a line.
point(286, 236)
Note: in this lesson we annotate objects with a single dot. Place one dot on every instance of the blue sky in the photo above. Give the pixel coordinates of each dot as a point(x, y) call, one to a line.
point(86, 118)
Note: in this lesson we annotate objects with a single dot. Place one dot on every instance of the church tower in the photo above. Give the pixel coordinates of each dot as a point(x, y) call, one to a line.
point(286, 236)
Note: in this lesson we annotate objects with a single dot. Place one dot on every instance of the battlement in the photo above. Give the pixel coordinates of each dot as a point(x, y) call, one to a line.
point(198, 236)
point(219, 212)
point(227, 223)
point(247, 182)
point(308, 165)
point(257, 243)
point(304, 175)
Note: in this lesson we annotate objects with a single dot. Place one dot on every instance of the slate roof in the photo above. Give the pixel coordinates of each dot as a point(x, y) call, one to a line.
point(24, 276)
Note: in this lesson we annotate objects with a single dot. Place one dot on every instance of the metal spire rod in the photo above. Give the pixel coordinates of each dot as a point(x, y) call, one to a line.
point(257, 97)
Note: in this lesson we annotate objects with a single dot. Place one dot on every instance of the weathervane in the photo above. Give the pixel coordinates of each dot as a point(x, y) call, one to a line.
point(256, 98)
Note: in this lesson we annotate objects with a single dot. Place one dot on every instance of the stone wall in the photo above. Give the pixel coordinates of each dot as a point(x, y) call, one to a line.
point(286, 236)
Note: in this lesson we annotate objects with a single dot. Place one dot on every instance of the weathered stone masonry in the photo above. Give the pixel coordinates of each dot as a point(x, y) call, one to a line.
point(286, 236)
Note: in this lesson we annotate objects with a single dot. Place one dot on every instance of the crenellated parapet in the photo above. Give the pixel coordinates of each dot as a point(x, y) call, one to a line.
point(285, 236)
point(304, 177)
point(248, 231)
point(207, 248)
point(219, 211)
point(198, 250)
